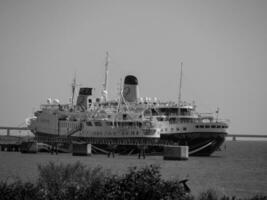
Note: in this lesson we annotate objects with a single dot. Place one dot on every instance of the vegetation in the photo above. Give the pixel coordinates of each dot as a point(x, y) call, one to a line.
point(76, 181)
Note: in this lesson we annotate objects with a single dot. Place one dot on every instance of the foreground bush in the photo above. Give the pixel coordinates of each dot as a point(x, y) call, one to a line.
point(78, 182)
point(145, 183)
point(71, 181)
point(19, 191)
point(75, 181)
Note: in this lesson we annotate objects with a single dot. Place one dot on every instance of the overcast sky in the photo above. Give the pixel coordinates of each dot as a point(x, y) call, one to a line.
point(223, 45)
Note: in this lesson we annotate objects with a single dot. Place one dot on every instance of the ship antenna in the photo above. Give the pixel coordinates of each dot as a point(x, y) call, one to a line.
point(73, 87)
point(105, 85)
point(120, 95)
point(217, 114)
point(180, 86)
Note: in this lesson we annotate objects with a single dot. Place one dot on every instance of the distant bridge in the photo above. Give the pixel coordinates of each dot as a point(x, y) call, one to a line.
point(234, 136)
point(9, 128)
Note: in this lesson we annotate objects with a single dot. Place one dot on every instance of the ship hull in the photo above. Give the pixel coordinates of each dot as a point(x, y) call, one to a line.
point(199, 143)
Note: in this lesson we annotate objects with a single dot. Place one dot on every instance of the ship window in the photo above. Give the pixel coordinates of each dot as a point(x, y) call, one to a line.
point(160, 119)
point(184, 128)
point(97, 123)
point(177, 129)
point(196, 126)
point(171, 129)
point(207, 126)
point(201, 126)
point(166, 129)
point(109, 123)
point(89, 123)
point(172, 120)
point(213, 126)
point(218, 126)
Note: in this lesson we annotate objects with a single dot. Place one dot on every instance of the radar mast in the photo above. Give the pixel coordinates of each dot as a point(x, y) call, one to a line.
point(180, 85)
point(73, 87)
point(105, 85)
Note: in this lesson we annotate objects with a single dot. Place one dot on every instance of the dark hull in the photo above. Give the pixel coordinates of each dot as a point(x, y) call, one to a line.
point(200, 144)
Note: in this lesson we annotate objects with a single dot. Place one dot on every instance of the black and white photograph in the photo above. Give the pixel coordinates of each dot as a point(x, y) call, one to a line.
point(133, 99)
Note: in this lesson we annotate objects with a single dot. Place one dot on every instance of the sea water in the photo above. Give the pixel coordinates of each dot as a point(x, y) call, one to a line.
point(239, 169)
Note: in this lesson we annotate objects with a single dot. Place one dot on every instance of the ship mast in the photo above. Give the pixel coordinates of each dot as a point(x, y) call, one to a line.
point(180, 85)
point(105, 85)
point(73, 87)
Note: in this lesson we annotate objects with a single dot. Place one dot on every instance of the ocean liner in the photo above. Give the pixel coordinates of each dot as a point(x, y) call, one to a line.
point(128, 123)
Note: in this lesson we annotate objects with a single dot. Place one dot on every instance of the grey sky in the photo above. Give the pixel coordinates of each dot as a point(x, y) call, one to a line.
point(223, 45)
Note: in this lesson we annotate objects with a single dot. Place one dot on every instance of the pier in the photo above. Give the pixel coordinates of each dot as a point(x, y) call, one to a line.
point(10, 142)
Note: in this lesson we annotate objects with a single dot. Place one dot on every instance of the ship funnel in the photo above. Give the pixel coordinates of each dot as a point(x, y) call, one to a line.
point(130, 89)
point(84, 99)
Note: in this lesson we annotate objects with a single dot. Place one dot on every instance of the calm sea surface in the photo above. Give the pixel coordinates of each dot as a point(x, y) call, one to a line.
point(241, 170)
